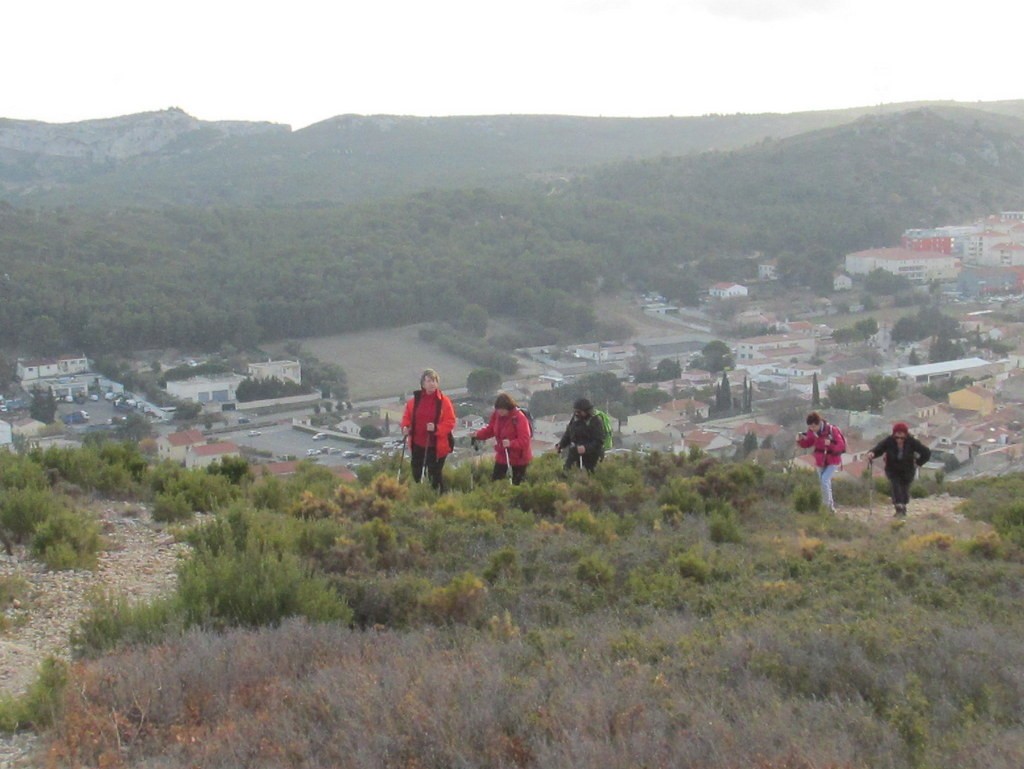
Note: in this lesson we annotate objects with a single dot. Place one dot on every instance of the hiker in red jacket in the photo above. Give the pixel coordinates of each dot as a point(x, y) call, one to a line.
point(427, 424)
point(829, 444)
point(510, 429)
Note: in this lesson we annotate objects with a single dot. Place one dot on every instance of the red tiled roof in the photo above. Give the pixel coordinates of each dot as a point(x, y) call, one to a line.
point(213, 449)
point(185, 438)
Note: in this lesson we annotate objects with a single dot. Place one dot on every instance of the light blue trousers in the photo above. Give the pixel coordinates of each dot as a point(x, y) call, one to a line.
point(826, 473)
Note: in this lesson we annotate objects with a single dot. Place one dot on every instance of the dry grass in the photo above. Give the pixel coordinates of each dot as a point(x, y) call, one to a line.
point(385, 361)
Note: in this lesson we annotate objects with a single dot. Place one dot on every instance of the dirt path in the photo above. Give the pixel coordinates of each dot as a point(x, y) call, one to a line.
point(938, 513)
point(138, 562)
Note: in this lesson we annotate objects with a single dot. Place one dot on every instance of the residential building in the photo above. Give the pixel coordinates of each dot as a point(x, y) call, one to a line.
point(916, 266)
point(841, 282)
point(6, 433)
point(285, 370)
point(800, 346)
point(603, 352)
point(973, 398)
point(768, 270)
point(206, 454)
point(173, 446)
point(727, 290)
point(31, 369)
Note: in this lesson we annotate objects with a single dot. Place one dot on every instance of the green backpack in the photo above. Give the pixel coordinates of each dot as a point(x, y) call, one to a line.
point(606, 422)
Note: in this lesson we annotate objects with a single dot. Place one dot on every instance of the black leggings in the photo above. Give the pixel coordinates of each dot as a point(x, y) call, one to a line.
point(434, 466)
point(501, 471)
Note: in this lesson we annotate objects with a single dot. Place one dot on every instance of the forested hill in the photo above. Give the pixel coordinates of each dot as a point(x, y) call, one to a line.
point(117, 279)
point(170, 158)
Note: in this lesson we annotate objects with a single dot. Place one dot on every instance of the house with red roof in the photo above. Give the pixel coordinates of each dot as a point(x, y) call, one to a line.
point(204, 455)
point(173, 446)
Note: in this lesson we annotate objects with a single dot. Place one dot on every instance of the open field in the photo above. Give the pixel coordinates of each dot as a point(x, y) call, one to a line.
point(386, 361)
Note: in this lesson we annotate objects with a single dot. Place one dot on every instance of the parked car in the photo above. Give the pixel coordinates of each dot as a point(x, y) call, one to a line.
point(254, 433)
point(319, 436)
point(312, 452)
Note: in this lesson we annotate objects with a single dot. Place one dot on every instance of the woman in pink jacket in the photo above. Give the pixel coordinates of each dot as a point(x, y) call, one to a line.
point(829, 445)
point(511, 432)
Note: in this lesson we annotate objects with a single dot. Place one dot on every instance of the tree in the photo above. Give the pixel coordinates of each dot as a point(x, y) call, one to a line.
point(882, 389)
point(943, 347)
point(815, 391)
point(714, 357)
point(668, 369)
point(723, 396)
point(370, 432)
point(482, 383)
point(134, 428)
point(473, 320)
point(44, 406)
point(749, 443)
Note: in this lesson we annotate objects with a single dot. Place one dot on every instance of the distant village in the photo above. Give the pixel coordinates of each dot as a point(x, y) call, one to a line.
point(973, 429)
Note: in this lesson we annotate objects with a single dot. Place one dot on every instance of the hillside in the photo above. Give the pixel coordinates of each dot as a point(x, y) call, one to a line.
point(667, 611)
point(188, 277)
point(170, 158)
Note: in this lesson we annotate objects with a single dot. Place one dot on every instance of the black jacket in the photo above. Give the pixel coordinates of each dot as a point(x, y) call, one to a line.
point(584, 432)
point(915, 454)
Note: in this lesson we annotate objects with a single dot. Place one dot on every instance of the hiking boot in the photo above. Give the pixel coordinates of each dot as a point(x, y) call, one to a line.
point(901, 511)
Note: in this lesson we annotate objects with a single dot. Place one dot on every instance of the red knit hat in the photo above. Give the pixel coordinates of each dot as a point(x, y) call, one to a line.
point(900, 427)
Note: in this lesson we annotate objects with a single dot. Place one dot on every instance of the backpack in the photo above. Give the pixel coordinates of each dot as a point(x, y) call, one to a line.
point(606, 423)
point(529, 418)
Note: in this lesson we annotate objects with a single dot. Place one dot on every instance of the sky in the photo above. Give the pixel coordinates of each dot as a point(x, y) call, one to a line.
point(300, 62)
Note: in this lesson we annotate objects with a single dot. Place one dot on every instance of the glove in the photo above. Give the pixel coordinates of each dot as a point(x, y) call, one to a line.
point(475, 444)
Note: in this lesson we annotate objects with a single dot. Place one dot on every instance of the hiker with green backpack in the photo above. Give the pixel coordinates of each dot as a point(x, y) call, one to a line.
point(585, 437)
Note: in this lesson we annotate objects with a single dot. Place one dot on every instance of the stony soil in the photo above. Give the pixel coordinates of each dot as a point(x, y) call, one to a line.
point(138, 562)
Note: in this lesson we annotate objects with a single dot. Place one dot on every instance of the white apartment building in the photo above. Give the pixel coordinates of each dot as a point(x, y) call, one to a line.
point(916, 266)
point(285, 370)
point(206, 389)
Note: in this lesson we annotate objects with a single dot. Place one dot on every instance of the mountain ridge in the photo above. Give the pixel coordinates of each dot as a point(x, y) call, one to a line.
point(171, 158)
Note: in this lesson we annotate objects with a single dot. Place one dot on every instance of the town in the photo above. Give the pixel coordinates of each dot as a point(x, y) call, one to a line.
point(732, 377)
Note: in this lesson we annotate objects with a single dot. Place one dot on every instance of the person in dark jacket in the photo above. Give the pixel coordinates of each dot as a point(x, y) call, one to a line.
point(903, 455)
point(511, 432)
point(584, 437)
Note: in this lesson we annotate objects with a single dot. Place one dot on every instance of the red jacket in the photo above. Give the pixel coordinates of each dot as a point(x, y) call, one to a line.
point(828, 442)
point(416, 418)
point(516, 427)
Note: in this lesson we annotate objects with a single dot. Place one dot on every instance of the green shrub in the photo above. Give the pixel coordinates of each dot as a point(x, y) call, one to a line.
point(691, 566)
point(253, 586)
point(112, 621)
point(681, 495)
point(503, 563)
point(22, 511)
point(723, 526)
point(171, 507)
point(67, 540)
point(40, 706)
point(807, 499)
point(595, 571)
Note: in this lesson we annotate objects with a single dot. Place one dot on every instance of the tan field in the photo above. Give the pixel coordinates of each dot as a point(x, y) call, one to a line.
point(385, 362)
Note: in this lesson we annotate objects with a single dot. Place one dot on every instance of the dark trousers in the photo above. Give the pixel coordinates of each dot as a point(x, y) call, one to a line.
point(501, 471)
point(423, 456)
point(589, 460)
point(900, 490)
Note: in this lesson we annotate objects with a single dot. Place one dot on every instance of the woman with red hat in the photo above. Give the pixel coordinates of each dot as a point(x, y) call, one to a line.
point(903, 455)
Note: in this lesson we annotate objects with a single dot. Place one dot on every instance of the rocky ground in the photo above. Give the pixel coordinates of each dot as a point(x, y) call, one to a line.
point(138, 562)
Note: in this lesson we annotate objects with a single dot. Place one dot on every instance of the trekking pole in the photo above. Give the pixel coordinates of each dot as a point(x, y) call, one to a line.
point(508, 464)
point(871, 488)
point(401, 460)
point(426, 458)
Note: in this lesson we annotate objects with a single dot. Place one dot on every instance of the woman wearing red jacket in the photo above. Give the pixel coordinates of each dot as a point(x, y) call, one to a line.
point(511, 432)
point(829, 445)
point(427, 424)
